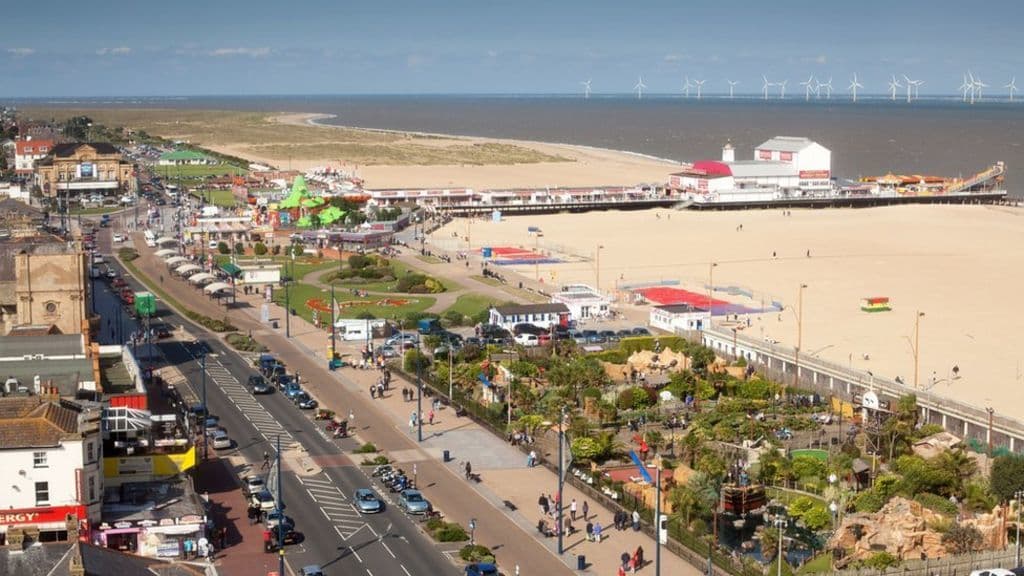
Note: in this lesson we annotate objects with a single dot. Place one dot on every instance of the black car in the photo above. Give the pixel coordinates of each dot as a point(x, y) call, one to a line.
point(525, 328)
point(259, 385)
point(641, 331)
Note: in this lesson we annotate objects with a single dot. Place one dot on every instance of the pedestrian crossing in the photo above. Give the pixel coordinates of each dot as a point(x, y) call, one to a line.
point(335, 506)
point(253, 411)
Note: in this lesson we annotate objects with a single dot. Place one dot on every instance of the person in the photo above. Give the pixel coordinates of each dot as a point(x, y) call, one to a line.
point(469, 470)
point(638, 557)
point(430, 417)
point(597, 531)
point(586, 510)
point(636, 520)
point(572, 509)
point(590, 531)
point(266, 460)
point(543, 503)
point(622, 570)
point(373, 391)
point(531, 459)
point(569, 528)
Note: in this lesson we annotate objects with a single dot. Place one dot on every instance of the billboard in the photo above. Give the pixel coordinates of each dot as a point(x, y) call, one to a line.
point(86, 170)
point(815, 174)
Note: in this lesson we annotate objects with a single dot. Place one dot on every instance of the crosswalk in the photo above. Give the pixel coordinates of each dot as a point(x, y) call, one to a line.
point(335, 506)
point(253, 411)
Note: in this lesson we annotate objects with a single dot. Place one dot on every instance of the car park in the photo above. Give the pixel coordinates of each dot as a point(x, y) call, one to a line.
point(367, 501)
point(221, 440)
point(413, 502)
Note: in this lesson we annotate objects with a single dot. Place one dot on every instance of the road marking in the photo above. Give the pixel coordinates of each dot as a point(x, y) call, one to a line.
point(402, 566)
point(384, 544)
point(368, 572)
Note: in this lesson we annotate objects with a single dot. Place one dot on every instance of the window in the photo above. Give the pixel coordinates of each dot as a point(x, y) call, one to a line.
point(92, 488)
point(90, 452)
point(51, 307)
point(39, 460)
point(42, 493)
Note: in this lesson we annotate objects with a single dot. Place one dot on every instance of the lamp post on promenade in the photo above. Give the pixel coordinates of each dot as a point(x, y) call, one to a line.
point(799, 335)
point(711, 282)
point(1017, 496)
point(597, 284)
point(917, 346)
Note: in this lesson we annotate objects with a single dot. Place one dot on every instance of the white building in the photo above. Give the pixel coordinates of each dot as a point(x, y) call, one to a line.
point(782, 167)
point(259, 274)
point(358, 329)
point(676, 317)
point(27, 151)
point(52, 465)
point(540, 315)
point(582, 301)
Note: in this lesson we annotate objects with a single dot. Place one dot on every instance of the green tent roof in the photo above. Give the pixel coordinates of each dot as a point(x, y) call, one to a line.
point(231, 268)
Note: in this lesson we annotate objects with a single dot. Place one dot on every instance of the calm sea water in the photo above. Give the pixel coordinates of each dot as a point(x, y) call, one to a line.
point(875, 136)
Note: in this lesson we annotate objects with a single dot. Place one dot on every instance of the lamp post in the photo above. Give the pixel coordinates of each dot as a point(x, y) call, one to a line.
point(419, 392)
point(280, 512)
point(536, 255)
point(451, 377)
point(711, 282)
point(1017, 496)
point(331, 360)
point(991, 416)
point(799, 335)
point(206, 410)
point(917, 346)
point(657, 516)
point(561, 478)
point(780, 523)
point(597, 285)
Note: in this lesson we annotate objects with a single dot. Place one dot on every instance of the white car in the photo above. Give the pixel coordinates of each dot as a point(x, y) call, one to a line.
point(120, 237)
point(528, 340)
point(264, 501)
point(221, 440)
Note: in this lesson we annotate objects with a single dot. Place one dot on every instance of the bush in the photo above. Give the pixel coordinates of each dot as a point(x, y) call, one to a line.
point(239, 248)
point(357, 261)
point(244, 343)
point(414, 359)
point(636, 398)
point(454, 317)
point(367, 448)
point(222, 247)
point(476, 553)
point(127, 254)
point(210, 323)
point(937, 503)
point(612, 356)
point(259, 249)
point(276, 250)
point(450, 532)
point(365, 315)
point(377, 461)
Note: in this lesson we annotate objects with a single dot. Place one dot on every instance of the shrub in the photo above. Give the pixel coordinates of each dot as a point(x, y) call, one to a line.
point(881, 560)
point(244, 343)
point(476, 553)
point(365, 315)
point(239, 248)
point(454, 317)
point(937, 503)
point(259, 249)
point(415, 359)
point(357, 261)
point(127, 254)
point(636, 398)
point(450, 532)
point(376, 461)
point(222, 247)
point(612, 356)
point(591, 393)
point(367, 448)
point(276, 250)
point(210, 323)
point(961, 539)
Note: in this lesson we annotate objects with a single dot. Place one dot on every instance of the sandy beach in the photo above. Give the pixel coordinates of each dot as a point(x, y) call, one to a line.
point(957, 264)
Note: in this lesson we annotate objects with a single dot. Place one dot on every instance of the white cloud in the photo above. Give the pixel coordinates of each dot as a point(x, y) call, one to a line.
point(118, 51)
point(252, 52)
point(819, 59)
point(673, 57)
point(20, 52)
point(492, 53)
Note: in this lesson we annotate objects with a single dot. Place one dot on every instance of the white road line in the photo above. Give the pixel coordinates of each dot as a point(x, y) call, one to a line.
point(372, 531)
point(384, 544)
point(402, 566)
point(317, 481)
point(368, 572)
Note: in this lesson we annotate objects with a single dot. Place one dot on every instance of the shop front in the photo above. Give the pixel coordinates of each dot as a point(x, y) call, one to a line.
point(163, 538)
point(47, 524)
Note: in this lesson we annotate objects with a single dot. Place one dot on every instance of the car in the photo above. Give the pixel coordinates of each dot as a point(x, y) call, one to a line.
point(212, 423)
point(442, 351)
point(275, 517)
point(311, 570)
point(367, 501)
point(527, 328)
point(105, 224)
point(596, 339)
point(118, 237)
point(221, 440)
point(304, 401)
point(290, 389)
point(528, 340)
point(263, 500)
point(212, 245)
point(641, 331)
point(401, 339)
point(474, 341)
point(481, 569)
point(111, 273)
point(253, 484)
point(609, 335)
point(259, 385)
point(118, 283)
point(388, 352)
point(413, 502)
point(625, 333)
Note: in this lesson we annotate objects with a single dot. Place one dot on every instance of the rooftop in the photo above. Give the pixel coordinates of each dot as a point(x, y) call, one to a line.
point(134, 501)
point(44, 424)
point(54, 558)
point(551, 308)
point(51, 346)
point(680, 308)
point(65, 375)
point(68, 149)
point(786, 144)
point(756, 168)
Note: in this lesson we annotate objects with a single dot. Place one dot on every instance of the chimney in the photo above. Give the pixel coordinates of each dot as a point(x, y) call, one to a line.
point(728, 152)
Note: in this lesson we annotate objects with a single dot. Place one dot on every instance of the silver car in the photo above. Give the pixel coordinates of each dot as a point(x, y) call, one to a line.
point(413, 502)
point(367, 501)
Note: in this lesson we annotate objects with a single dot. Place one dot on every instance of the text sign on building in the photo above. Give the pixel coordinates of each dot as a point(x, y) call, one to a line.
point(40, 515)
point(85, 170)
point(814, 174)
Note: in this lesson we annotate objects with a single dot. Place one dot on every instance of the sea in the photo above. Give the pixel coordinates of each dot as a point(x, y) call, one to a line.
point(874, 136)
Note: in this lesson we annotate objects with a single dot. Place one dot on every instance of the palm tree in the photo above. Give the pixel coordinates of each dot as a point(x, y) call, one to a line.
point(684, 503)
point(959, 464)
point(706, 488)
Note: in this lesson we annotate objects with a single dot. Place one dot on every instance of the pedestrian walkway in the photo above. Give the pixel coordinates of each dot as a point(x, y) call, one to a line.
point(505, 481)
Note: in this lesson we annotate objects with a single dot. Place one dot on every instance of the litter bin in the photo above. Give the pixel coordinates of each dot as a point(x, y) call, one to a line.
point(447, 456)
point(581, 562)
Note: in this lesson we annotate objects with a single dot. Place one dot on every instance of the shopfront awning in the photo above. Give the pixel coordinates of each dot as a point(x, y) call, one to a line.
point(202, 278)
point(166, 240)
point(216, 287)
point(176, 260)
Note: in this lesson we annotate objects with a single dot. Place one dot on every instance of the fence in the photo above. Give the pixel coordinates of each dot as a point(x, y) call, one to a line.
point(779, 363)
point(961, 565)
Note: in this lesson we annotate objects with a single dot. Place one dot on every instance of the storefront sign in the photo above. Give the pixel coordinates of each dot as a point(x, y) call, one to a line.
point(169, 550)
point(191, 519)
point(814, 174)
point(122, 525)
point(40, 515)
point(167, 521)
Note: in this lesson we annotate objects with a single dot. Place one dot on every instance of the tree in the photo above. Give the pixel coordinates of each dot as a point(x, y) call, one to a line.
point(881, 561)
point(959, 465)
point(222, 247)
point(700, 358)
point(898, 429)
point(239, 248)
point(961, 539)
point(684, 503)
point(1007, 476)
point(259, 249)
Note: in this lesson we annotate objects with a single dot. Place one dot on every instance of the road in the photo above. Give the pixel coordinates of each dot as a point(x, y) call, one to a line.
point(336, 536)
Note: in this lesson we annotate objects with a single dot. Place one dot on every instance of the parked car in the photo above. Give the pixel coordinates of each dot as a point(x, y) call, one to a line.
point(625, 333)
point(481, 569)
point(263, 500)
point(304, 401)
point(252, 485)
point(290, 389)
point(118, 283)
point(274, 517)
point(609, 335)
point(413, 502)
point(526, 328)
point(641, 331)
point(221, 440)
point(118, 237)
point(311, 570)
point(388, 351)
point(367, 501)
point(259, 385)
point(528, 340)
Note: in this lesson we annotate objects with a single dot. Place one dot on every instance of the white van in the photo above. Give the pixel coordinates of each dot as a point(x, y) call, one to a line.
point(528, 340)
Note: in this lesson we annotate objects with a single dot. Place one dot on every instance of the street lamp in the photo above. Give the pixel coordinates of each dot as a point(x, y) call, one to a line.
point(1017, 496)
point(711, 282)
point(991, 416)
point(280, 511)
point(419, 391)
point(780, 523)
point(799, 335)
point(598, 259)
point(917, 346)
point(206, 410)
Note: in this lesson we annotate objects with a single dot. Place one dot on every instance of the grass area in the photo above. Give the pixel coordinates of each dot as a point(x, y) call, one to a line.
point(96, 210)
point(818, 564)
point(389, 287)
point(257, 132)
point(786, 496)
point(299, 294)
point(172, 173)
point(520, 294)
point(429, 259)
point(298, 269)
point(212, 324)
point(471, 304)
point(223, 198)
point(244, 342)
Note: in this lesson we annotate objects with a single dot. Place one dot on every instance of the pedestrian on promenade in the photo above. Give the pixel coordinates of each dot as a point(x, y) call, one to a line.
point(543, 503)
point(636, 520)
point(266, 460)
point(597, 531)
point(586, 510)
point(351, 418)
point(590, 531)
point(638, 557)
point(531, 459)
point(572, 509)
point(373, 391)
point(469, 470)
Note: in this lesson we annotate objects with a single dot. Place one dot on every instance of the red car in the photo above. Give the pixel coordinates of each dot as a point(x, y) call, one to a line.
point(118, 283)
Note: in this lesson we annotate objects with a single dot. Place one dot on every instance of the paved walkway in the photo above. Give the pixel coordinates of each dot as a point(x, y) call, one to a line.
point(502, 468)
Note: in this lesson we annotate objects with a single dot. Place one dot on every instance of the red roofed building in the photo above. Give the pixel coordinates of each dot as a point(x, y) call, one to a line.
point(27, 151)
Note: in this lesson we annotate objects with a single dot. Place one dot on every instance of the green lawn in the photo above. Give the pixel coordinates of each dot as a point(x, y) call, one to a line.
point(818, 564)
point(299, 269)
point(193, 172)
point(471, 304)
point(400, 270)
point(96, 210)
point(300, 293)
point(223, 198)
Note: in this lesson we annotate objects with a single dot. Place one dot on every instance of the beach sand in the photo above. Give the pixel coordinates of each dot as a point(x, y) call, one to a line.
point(957, 264)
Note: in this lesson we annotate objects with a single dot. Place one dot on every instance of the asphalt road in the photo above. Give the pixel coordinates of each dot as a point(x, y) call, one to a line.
point(335, 536)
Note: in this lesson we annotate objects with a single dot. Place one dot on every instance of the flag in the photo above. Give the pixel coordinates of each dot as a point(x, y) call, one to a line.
point(334, 308)
point(640, 466)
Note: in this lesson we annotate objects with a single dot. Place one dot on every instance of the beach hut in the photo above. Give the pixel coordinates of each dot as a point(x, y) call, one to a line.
point(166, 240)
point(165, 252)
point(216, 287)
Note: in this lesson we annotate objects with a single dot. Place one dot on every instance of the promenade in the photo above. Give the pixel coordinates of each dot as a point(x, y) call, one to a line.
point(509, 530)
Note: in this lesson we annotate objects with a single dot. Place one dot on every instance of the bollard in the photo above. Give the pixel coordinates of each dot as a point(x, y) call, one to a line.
point(581, 562)
point(447, 456)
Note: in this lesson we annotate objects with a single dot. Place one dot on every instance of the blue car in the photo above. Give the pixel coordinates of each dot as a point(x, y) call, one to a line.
point(291, 389)
point(367, 501)
point(482, 569)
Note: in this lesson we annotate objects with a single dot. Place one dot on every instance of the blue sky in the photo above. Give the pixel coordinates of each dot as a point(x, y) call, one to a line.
point(144, 47)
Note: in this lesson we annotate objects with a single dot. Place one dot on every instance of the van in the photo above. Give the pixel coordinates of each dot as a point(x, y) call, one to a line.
point(429, 326)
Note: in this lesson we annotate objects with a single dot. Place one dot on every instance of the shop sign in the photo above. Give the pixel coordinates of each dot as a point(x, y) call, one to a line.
point(815, 174)
point(40, 515)
point(169, 550)
point(146, 523)
point(167, 521)
point(122, 525)
point(191, 519)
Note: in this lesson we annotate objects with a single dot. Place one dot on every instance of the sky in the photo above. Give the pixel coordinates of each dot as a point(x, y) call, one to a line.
point(227, 47)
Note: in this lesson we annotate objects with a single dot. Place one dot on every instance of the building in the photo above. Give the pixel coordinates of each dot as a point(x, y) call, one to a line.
point(84, 559)
point(185, 158)
point(257, 274)
point(583, 301)
point(540, 315)
point(27, 151)
point(84, 171)
point(17, 218)
point(679, 317)
point(151, 518)
point(42, 282)
point(52, 471)
point(782, 167)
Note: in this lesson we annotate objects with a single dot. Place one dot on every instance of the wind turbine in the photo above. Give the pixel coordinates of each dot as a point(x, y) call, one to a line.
point(586, 89)
point(686, 86)
point(782, 89)
point(700, 87)
point(1012, 86)
point(964, 87)
point(732, 84)
point(828, 88)
point(893, 85)
point(978, 85)
point(917, 86)
point(808, 87)
point(639, 87)
point(767, 85)
point(973, 84)
point(853, 87)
